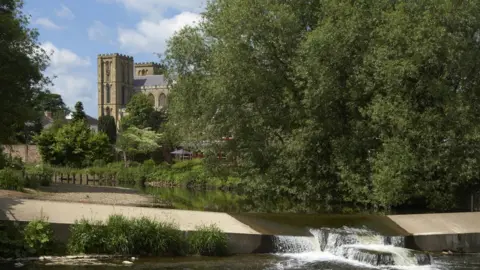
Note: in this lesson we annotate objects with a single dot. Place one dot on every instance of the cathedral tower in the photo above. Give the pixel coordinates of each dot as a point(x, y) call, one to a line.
point(148, 68)
point(115, 84)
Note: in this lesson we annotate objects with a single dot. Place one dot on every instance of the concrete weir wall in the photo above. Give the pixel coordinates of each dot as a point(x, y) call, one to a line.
point(242, 239)
point(457, 232)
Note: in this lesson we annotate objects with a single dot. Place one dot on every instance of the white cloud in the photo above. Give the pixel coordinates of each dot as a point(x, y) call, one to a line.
point(100, 32)
point(62, 60)
point(158, 7)
point(75, 78)
point(151, 36)
point(65, 12)
point(47, 23)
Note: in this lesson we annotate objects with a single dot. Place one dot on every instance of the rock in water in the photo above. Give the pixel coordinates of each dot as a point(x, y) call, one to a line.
point(18, 265)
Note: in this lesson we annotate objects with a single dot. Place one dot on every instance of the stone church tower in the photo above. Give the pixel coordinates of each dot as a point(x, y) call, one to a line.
point(115, 83)
point(119, 78)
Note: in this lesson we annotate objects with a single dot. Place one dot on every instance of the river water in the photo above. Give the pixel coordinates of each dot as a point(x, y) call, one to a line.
point(328, 248)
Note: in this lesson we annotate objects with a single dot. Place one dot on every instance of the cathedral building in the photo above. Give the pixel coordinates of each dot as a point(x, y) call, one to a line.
point(119, 78)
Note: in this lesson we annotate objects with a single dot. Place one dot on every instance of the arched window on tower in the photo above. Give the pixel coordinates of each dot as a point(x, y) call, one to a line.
point(107, 111)
point(123, 95)
point(108, 92)
point(162, 100)
point(151, 98)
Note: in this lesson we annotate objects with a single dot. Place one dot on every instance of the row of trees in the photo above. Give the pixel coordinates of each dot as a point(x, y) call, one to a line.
point(374, 103)
point(74, 144)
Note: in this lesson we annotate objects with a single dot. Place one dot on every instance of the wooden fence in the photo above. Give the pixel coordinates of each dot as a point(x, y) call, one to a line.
point(84, 179)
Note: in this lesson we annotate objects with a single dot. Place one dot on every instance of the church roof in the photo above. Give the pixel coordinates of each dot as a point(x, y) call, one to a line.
point(149, 80)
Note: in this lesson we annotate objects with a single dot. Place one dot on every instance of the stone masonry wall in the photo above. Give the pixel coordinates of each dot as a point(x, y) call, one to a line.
point(19, 150)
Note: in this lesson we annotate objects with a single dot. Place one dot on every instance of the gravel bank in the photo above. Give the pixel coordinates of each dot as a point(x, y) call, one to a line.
point(85, 194)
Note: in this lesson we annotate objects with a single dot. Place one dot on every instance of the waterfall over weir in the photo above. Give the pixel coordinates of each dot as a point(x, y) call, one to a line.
point(352, 245)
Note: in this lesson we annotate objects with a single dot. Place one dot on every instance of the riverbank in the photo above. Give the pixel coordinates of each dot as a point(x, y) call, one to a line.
point(87, 194)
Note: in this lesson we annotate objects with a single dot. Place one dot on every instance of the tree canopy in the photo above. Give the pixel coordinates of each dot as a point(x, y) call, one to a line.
point(23, 62)
point(142, 114)
point(79, 113)
point(106, 124)
point(368, 102)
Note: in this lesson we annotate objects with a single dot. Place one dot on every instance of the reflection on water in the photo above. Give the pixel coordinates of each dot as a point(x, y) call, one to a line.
point(262, 262)
point(234, 202)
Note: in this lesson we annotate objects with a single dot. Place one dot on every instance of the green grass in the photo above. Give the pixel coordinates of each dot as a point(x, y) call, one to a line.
point(122, 236)
point(208, 241)
point(143, 236)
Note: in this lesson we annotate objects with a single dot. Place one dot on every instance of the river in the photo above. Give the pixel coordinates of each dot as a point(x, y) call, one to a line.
point(261, 262)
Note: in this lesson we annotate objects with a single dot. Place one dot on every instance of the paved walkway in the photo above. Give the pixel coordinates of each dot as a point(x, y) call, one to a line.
point(67, 213)
point(444, 223)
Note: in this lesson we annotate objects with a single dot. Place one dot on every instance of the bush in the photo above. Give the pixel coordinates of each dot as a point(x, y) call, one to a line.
point(38, 237)
point(156, 238)
point(87, 237)
point(123, 236)
point(208, 241)
point(11, 179)
point(99, 163)
point(38, 175)
point(15, 163)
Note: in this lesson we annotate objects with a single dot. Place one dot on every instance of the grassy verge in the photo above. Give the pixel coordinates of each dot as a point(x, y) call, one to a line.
point(143, 236)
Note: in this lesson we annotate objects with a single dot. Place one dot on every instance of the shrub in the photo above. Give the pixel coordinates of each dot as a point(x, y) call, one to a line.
point(117, 231)
point(38, 175)
point(15, 163)
point(156, 238)
point(87, 238)
point(207, 241)
point(99, 163)
point(38, 237)
point(123, 236)
point(11, 179)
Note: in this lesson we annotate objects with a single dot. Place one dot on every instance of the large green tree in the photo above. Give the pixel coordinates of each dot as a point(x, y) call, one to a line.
point(74, 145)
point(137, 141)
point(22, 63)
point(369, 102)
point(142, 114)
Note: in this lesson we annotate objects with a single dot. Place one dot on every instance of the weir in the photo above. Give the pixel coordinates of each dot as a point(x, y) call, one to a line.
point(351, 245)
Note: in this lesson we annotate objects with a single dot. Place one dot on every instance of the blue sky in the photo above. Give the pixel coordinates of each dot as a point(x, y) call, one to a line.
point(76, 31)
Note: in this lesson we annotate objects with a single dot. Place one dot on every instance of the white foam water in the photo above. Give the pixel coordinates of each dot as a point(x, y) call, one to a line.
point(354, 246)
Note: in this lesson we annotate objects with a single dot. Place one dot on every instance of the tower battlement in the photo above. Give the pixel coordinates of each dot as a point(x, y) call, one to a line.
point(147, 64)
point(115, 55)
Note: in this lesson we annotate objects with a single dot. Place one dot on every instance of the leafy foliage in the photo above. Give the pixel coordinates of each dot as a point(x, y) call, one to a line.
point(106, 124)
point(73, 145)
point(38, 236)
point(138, 141)
point(371, 103)
point(21, 77)
point(120, 235)
point(11, 179)
point(208, 241)
point(142, 114)
point(79, 113)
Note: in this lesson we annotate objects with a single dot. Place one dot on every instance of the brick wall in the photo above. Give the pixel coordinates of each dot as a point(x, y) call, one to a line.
point(19, 150)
